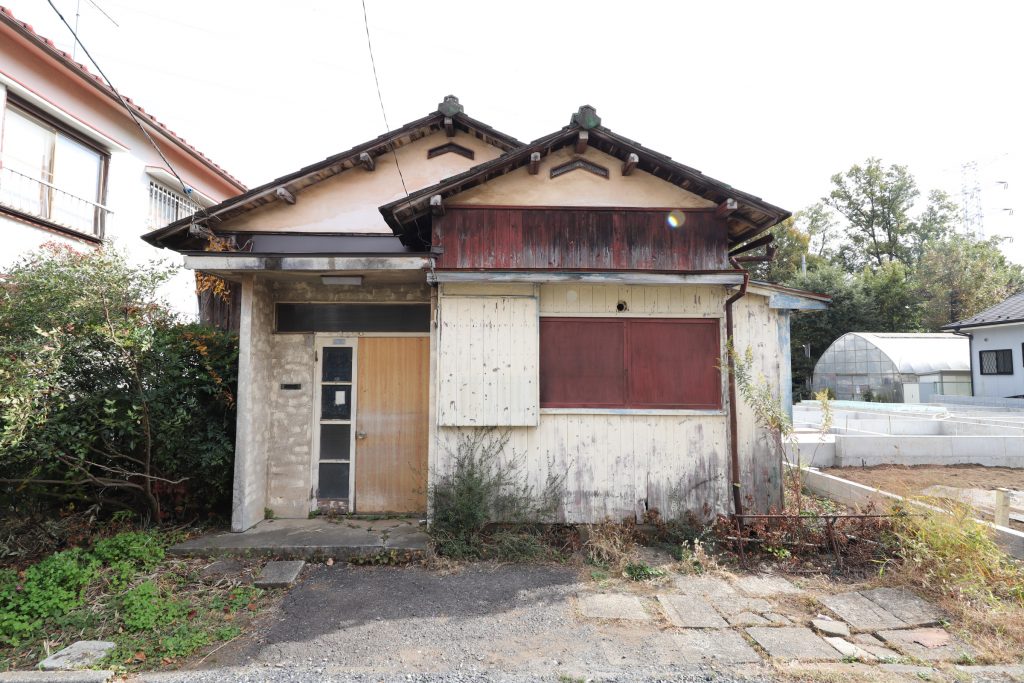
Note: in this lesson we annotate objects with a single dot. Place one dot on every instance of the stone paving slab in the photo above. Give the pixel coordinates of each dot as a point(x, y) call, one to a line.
point(996, 672)
point(746, 619)
point(734, 604)
point(793, 642)
point(905, 606)
point(860, 613)
point(704, 586)
point(279, 574)
point(78, 655)
point(613, 606)
point(831, 627)
point(907, 642)
point(687, 611)
point(766, 586)
point(697, 646)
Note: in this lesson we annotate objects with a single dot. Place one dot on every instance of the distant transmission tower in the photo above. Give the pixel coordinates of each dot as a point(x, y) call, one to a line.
point(970, 199)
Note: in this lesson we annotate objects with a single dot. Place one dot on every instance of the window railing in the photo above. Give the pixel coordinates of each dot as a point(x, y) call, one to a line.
point(44, 200)
point(167, 206)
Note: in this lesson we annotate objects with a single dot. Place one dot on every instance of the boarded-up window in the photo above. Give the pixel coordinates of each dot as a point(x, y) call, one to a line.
point(488, 361)
point(630, 363)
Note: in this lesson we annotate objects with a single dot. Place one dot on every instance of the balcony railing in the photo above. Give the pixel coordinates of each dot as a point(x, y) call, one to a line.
point(46, 201)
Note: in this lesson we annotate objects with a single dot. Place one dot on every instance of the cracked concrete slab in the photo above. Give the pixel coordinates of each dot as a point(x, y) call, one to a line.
point(766, 585)
point(687, 611)
point(613, 606)
point(911, 642)
point(734, 604)
point(78, 655)
point(793, 642)
point(905, 606)
point(703, 585)
point(860, 613)
point(279, 574)
point(696, 646)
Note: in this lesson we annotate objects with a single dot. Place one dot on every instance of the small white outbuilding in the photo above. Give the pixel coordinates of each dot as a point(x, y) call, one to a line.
point(895, 367)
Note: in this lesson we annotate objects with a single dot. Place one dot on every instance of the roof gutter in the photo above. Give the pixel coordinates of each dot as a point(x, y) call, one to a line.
point(734, 448)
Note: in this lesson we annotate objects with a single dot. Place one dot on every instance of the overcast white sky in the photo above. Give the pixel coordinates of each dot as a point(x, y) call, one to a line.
point(771, 97)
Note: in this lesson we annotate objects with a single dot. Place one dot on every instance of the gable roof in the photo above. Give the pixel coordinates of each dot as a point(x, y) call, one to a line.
point(1010, 310)
point(337, 163)
point(752, 217)
point(50, 48)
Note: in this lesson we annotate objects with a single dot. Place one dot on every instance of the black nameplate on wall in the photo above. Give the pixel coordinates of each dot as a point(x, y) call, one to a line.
point(353, 317)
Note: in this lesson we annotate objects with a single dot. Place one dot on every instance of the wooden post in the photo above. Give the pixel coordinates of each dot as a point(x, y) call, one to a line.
point(1002, 513)
point(726, 208)
point(581, 142)
point(630, 163)
point(449, 127)
point(436, 205)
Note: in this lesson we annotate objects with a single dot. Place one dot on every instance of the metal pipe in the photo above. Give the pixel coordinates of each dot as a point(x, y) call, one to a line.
point(970, 353)
point(734, 449)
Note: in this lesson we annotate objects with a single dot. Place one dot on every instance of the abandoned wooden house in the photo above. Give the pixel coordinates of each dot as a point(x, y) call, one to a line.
point(578, 291)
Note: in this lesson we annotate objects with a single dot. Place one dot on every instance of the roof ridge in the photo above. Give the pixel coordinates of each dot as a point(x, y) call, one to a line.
point(69, 61)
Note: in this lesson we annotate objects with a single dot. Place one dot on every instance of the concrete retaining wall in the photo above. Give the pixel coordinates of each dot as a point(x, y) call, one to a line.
point(857, 495)
point(990, 451)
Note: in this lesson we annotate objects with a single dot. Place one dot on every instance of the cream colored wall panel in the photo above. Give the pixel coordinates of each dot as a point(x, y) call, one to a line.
point(569, 299)
point(488, 361)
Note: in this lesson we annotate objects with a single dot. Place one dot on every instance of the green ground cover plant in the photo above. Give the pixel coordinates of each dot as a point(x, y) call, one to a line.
point(123, 589)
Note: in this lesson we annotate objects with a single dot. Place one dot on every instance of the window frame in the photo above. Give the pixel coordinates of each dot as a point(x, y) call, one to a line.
point(630, 403)
point(1007, 369)
point(57, 128)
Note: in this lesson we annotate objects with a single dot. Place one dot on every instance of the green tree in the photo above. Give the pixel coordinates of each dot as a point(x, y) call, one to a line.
point(962, 276)
point(891, 301)
point(103, 394)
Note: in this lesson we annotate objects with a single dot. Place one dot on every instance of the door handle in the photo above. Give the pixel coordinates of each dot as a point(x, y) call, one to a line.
point(360, 435)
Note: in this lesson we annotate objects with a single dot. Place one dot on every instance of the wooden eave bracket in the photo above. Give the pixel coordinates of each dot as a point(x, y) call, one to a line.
point(367, 161)
point(436, 205)
point(630, 163)
point(726, 208)
point(581, 141)
point(284, 195)
point(449, 126)
point(534, 163)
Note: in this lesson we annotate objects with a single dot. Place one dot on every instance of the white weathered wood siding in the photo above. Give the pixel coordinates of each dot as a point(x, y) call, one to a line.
point(488, 360)
point(620, 463)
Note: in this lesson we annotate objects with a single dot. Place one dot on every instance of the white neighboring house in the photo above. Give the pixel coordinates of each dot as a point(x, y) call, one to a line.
point(997, 348)
point(75, 168)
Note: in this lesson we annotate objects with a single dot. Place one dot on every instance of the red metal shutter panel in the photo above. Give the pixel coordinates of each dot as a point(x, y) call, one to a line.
point(581, 363)
point(674, 364)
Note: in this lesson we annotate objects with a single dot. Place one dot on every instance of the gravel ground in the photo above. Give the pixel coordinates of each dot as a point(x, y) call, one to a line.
point(493, 623)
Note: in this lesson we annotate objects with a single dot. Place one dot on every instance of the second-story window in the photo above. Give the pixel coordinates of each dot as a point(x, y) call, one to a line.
point(49, 174)
point(167, 206)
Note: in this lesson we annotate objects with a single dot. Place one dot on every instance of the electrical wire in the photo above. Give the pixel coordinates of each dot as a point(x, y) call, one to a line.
point(184, 187)
point(380, 98)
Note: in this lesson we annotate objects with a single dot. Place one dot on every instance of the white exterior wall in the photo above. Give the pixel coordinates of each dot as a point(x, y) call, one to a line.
point(619, 463)
point(127, 195)
point(991, 339)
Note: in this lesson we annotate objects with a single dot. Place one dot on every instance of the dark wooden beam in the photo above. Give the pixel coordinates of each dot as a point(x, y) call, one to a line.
point(726, 208)
point(767, 239)
point(367, 161)
point(581, 142)
point(630, 163)
point(449, 126)
point(436, 205)
point(284, 195)
point(534, 163)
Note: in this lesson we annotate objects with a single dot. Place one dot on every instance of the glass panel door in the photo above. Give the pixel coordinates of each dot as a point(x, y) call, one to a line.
point(334, 422)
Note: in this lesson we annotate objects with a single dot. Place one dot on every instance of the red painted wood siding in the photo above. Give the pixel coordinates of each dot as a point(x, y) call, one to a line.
point(516, 238)
point(630, 363)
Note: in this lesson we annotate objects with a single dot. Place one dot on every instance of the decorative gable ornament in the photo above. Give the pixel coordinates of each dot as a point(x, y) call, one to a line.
point(450, 147)
point(582, 164)
point(586, 118)
point(450, 106)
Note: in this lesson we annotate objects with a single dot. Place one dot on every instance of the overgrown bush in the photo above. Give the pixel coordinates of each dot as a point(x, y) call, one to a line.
point(481, 487)
point(104, 395)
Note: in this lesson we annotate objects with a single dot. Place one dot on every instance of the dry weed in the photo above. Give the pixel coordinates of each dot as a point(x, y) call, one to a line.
point(611, 544)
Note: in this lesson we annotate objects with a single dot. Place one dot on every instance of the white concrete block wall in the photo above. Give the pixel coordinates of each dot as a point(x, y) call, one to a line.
point(993, 338)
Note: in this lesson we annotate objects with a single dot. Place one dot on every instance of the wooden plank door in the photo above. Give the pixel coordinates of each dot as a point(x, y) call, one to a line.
point(392, 424)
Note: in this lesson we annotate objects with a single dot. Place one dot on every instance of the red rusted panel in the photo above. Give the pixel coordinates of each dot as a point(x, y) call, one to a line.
point(630, 363)
point(674, 364)
point(516, 238)
point(581, 363)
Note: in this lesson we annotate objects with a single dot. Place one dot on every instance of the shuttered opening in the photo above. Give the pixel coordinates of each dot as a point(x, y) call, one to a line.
point(353, 317)
point(630, 363)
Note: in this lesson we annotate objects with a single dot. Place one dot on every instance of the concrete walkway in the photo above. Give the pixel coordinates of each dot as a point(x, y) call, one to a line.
point(311, 539)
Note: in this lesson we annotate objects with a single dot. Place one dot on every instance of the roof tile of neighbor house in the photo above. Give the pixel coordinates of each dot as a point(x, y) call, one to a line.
point(337, 163)
point(67, 60)
point(1009, 310)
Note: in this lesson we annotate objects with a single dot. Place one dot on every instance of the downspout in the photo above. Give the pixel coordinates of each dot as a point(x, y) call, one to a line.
point(970, 353)
point(734, 448)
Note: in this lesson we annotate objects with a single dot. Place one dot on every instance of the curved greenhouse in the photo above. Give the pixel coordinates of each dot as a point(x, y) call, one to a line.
point(895, 367)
